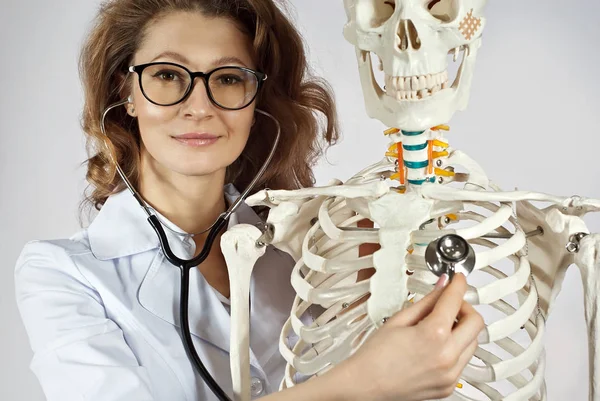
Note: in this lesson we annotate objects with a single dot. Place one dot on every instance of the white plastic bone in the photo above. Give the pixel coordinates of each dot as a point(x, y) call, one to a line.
point(588, 260)
point(239, 247)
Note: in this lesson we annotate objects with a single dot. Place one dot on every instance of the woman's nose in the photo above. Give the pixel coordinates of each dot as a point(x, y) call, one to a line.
point(198, 102)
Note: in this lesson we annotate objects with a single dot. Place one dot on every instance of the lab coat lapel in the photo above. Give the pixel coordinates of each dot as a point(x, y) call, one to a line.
point(160, 294)
point(120, 230)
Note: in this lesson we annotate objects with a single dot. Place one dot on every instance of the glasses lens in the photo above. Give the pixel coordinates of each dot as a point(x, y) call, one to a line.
point(165, 84)
point(233, 88)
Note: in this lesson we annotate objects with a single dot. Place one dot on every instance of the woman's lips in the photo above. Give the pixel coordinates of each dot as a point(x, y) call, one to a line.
point(196, 139)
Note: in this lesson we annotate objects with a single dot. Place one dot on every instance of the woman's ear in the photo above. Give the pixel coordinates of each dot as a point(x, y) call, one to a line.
point(130, 106)
point(125, 91)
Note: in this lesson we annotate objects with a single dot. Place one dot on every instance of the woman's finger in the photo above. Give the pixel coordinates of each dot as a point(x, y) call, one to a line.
point(470, 324)
point(448, 305)
point(419, 310)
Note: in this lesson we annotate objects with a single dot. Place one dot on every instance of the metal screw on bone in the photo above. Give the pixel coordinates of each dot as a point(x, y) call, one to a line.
point(268, 233)
point(574, 242)
point(450, 254)
point(572, 247)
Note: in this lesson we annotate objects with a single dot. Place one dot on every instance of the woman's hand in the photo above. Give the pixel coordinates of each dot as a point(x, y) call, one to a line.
point(419, 353)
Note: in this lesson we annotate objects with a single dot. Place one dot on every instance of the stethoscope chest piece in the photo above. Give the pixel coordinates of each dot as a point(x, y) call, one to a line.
point(450, 254)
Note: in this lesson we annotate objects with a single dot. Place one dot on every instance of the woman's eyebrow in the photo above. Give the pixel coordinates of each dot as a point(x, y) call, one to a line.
point(228, 60)
point(174, 55)
point(216, 63)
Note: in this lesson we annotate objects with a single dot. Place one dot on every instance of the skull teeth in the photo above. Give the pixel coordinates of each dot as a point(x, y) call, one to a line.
point(416, 83)
point(418, 87)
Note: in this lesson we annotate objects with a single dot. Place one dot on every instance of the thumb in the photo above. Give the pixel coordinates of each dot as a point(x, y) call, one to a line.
point(419, 310)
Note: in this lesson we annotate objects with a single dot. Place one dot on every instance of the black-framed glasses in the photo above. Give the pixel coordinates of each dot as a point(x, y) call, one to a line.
point(229, 87)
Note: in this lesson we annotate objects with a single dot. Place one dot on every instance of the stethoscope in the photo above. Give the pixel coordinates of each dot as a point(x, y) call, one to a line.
point(185, 265)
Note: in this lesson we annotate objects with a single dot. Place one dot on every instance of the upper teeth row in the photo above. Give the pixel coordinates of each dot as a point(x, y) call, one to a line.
point(416, 83)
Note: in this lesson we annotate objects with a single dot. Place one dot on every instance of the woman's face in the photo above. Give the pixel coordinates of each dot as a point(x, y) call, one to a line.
point(200, 44)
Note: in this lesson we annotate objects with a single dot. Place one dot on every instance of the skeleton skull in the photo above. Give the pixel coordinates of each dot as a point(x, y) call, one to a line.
point(413, 39)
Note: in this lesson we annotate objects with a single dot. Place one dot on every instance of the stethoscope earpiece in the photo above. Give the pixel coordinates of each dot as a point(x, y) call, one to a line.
point(450, 254)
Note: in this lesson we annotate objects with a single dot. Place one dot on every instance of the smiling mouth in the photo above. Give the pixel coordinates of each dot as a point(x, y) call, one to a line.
point(197, 141)
point(420, 87)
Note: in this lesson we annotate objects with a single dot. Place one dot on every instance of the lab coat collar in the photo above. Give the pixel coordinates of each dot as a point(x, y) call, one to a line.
point(121, 228)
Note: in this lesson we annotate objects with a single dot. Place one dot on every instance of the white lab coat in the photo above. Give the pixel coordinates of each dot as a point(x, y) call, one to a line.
point(102, 312)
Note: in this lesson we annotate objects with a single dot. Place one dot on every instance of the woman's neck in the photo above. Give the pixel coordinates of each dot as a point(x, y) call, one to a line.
point(192, 203)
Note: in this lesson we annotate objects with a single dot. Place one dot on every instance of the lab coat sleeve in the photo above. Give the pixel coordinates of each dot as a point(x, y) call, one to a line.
point(79, 354)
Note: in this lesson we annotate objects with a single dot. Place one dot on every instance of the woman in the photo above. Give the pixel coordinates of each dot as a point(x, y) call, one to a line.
point(101, 308)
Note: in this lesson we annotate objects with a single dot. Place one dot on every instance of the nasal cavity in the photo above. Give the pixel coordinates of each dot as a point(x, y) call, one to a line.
point(408, 36)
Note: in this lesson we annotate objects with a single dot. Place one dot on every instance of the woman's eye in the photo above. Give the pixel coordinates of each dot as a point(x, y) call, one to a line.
point(166, 75)
point(229, 79)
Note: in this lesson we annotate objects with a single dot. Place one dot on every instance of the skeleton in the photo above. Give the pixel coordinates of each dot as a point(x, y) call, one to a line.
point(519, 244)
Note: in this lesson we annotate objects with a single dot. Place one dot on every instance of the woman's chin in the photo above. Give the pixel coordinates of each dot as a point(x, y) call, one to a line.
point(200, 170)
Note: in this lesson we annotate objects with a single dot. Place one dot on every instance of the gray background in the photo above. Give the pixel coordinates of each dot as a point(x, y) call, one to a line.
point(532, 123)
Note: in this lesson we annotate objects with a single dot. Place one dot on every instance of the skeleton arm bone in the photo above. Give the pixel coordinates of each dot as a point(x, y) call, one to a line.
point(239, 246)
point(588, 260)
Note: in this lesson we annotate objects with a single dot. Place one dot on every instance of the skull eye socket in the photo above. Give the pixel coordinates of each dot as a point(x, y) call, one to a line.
point(374, 13)
point(443, 10)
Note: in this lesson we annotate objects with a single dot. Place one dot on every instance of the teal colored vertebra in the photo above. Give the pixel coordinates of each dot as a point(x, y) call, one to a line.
point(410, 164)
point(414, 147)
point(412, 133)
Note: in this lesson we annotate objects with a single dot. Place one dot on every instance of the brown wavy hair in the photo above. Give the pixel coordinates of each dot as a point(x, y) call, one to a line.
point(302, 103)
